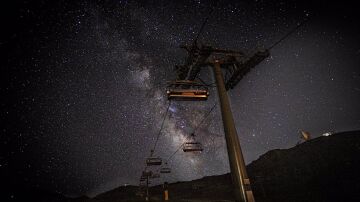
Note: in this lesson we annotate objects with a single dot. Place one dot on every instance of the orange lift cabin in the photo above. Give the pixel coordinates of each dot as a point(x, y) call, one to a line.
point(187, 90)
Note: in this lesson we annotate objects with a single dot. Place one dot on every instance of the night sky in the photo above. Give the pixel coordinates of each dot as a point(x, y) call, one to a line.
point(83, 86)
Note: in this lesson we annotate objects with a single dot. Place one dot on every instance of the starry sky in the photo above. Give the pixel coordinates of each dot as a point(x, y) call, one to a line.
point(83, 86)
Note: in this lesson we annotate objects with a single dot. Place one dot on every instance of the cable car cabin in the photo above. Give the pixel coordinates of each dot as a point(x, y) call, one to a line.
point(187, 90)
point(192, 147)
point(153, 161)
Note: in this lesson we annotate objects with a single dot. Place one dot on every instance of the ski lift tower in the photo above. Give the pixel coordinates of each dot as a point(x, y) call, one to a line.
point(237, 64)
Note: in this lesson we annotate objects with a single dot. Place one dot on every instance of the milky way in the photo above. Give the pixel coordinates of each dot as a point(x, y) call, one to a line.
point(85, 87)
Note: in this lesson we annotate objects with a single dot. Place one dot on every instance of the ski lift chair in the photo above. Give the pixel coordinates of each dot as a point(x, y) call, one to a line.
point(165, 169)
point(192, 147)
point(187, 90)
point(142, 184)
point(155, 175)
point(142, 179)
point(146, 174)
point(153, 161)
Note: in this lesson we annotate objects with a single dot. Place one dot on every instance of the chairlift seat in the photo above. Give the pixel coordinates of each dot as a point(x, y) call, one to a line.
point(142, 184)
point(165, 170)
point(155, 175)
point(146, 174)
point(153, 161)
point(187, 90)
point(143, 178)
point(192, 147)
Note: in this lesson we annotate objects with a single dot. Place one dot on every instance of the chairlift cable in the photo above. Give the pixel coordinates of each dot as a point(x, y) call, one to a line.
point(289, 33)
point(208, 113)
point(202, 81)
point(205, 21)
point(206, 84)
point(204, 118)
point(173, 154)
point(162, 126)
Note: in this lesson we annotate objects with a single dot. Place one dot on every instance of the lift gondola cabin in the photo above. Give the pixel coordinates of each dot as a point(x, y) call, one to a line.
point(187, 90)
point(153, 161)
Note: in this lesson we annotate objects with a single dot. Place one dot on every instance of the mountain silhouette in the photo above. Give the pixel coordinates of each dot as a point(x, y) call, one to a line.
point(320, 169)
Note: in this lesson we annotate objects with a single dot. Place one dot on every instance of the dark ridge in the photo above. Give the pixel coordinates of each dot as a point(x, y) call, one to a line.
point(321, 169)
